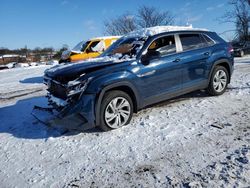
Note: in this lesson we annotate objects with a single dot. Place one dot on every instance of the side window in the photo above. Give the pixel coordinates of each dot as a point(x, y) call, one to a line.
point(191, 41)
point(98, 47)
point(164, 45)
point(208, 41)
point(92, 45)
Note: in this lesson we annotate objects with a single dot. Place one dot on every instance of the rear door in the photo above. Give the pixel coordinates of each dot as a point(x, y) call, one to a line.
point(193, 59)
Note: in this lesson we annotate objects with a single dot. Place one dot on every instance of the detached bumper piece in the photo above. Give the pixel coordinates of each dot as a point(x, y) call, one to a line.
point(55, 119)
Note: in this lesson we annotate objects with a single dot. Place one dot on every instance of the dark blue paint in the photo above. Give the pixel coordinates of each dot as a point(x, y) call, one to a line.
point(162, 78)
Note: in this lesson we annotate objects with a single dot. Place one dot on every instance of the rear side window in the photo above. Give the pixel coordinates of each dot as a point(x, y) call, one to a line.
point(164, 45)
point(208, 41)
point(192, 41)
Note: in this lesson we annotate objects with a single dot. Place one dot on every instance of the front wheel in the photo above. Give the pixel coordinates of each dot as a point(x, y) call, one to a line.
point(219, 81)
point(116, 110)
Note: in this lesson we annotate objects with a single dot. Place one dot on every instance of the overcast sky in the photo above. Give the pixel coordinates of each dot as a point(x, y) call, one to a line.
point(52, 23)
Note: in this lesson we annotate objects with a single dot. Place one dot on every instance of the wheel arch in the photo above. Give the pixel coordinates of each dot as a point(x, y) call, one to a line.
point(222, 62)
point(124, 86)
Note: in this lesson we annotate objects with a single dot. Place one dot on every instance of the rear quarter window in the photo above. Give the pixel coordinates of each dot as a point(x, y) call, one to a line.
point(207, 40)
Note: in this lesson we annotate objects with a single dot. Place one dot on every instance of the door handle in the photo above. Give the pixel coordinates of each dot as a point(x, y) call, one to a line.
point(206, 53)
point(177, 60)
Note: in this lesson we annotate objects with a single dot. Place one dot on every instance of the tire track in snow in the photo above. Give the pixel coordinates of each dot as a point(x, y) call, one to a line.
point(19, 93)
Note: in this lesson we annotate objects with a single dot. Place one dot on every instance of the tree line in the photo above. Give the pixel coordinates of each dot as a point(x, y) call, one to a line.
point(38, 52)
point(25, 51)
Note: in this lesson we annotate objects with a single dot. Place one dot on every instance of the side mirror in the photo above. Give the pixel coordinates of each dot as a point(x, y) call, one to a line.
point(152, 54)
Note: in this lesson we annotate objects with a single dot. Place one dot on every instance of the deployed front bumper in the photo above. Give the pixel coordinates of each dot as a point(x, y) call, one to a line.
point(78, 115)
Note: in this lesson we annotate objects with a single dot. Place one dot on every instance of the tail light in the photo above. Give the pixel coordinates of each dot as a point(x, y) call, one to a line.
point(230, 48)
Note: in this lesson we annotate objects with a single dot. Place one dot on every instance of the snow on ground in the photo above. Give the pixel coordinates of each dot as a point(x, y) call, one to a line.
point(191, 141)
point(21, 82)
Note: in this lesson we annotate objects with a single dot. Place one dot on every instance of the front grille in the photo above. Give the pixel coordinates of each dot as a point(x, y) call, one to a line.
point(57, 90)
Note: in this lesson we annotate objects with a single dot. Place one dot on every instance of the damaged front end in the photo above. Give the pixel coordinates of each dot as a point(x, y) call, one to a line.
point(68, 106)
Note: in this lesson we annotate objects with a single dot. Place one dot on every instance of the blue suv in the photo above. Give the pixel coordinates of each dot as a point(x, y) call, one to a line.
point(140, 69)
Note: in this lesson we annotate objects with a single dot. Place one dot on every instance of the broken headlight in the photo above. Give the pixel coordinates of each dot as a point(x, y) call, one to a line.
point(77, 86)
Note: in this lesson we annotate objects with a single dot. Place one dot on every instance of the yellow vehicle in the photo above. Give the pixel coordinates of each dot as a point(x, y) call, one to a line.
point(88, 49)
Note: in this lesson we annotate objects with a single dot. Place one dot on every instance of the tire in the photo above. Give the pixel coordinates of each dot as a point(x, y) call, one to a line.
point(218, 81)
point(242, 53)
point(112, 116)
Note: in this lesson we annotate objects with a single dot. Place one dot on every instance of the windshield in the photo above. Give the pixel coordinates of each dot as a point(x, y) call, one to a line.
point(125, 47)
point(81, 46)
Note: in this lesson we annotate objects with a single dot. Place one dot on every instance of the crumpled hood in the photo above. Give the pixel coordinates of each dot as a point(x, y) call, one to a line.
point(65, 73)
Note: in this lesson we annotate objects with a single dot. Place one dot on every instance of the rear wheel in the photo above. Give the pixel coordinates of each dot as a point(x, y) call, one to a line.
point(219, 81)
point(116, 110)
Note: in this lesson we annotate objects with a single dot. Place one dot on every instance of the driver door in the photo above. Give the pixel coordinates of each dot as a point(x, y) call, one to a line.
point(160, 77)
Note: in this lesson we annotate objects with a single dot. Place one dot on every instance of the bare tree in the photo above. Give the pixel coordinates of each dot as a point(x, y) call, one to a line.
point(121, 25)
point(145, 17)
point(240, 16)
point(150, 16)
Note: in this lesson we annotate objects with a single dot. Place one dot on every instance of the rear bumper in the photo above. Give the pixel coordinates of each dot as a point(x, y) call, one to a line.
point(74, 116)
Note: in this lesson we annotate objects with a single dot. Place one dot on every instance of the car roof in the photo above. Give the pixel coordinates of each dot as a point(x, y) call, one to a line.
point(151, 31)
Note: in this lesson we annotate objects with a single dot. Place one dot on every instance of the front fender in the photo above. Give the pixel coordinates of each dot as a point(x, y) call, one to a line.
point(113, 86)
point(104, 83)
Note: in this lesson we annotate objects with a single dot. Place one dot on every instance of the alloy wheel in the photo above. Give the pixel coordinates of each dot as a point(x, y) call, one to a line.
point(117, 112)
point(220, 81)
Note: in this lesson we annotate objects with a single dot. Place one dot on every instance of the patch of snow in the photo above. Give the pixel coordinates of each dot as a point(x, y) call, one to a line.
point(161, 29)
point(22, 65)
point(21, 82)
point(244, 59)
point(10, 55)
point(105, 37)
point(52, 62)
point(116, 58)
point(11, 65)
point(33, 64)
point(105, 59)
point(42, 63)
point(193, 140)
